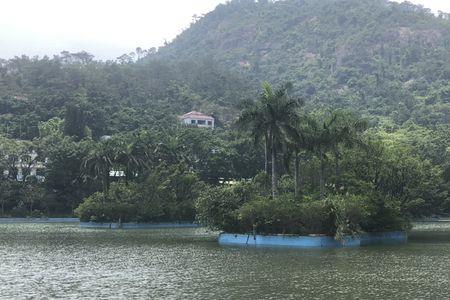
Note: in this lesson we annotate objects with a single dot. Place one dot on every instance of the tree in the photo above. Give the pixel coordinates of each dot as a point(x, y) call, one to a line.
point(65, 177)
point(131, 156)
point(33, 194)
point(328, 133)
point(295, 144)
point(272, 117)
point(99, 163)
point(75, 121)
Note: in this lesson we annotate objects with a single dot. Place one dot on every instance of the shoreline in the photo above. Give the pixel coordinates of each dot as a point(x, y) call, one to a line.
point(38, 220)
point(115, 225)
point(294, 241)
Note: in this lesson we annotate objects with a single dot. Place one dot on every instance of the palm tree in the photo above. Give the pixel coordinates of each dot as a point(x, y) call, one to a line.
point(253, 119)
point(273, 118)
point(132, 156)
point(98, 164)
point(347, 130)
point(295, 145)
point(127, 153)
point(328, 133)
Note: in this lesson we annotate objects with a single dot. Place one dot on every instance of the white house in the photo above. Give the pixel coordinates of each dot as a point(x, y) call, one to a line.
point(198, 119)
point(27, 163)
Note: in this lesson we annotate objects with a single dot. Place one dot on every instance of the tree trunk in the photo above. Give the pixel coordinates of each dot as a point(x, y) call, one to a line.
point(321, 175)
point(266, 158)
point(106, 183)
point(337, 172)
point(274, 171)
point(127, 176)
point(297, 175)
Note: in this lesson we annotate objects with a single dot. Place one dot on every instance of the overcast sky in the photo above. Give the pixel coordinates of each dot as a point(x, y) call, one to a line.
point(105, 28)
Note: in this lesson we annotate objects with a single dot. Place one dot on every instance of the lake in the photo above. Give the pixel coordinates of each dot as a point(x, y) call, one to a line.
point(64, 261)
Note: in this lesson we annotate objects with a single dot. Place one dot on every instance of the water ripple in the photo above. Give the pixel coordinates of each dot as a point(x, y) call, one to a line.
point(62, 261)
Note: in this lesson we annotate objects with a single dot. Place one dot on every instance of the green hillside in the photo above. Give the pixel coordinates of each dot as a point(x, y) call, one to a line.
point(374, 56)
point(110, 97)
point(387, 64)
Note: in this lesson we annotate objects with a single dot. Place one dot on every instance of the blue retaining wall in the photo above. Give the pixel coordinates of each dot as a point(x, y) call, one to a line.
point(397, 237)
point(137, 225)
point(38, 220)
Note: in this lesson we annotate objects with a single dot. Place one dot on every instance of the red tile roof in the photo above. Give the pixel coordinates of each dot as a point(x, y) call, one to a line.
point(196, 115)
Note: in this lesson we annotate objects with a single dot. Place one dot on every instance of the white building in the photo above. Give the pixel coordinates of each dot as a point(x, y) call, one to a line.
point(198, 119)
point(27, 164)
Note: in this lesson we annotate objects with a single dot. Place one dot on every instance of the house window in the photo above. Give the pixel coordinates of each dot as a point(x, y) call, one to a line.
point(192, 121)
point(210, 123)
point(201, 122)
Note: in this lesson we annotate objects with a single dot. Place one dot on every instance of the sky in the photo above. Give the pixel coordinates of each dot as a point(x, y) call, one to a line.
point(104, 28)
point(434, 5)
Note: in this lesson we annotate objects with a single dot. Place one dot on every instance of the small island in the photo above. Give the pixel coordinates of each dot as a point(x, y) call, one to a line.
point(272, 211)
point(351, 198)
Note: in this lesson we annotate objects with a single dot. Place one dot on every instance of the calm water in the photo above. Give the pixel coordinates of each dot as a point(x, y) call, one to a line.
point(63, 261)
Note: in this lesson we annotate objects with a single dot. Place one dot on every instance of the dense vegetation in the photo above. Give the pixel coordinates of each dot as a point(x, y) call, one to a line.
point(154, 162)
point(359, 142)
point(362, 182)
point(388, 61)
point(104, 98)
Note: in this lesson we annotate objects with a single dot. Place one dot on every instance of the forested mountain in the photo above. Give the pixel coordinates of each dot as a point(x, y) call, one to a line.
point(378, 57)
point(386, 64)
point(109, 97)
point(389, 62)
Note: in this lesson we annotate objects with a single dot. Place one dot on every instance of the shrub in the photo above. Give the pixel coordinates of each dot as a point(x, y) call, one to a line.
point(267, 215)
point(285, 215)
point(92, 208)
point(386, 214)
point(348, 213)
point(118, 203)
point(216, 206)
point(167, 195)
point(354, 214)
point(242, 209)
point(316, 217)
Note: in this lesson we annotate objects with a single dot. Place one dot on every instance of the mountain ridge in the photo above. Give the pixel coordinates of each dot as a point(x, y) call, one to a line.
point(372, 52)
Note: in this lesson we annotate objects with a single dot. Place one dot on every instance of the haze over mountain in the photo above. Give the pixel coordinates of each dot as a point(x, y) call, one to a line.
point(378, 57)
point(106, 29)
point(389, 62)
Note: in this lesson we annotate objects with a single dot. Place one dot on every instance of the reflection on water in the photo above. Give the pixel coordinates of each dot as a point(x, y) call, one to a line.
point(431, 232)
point(61, 260)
